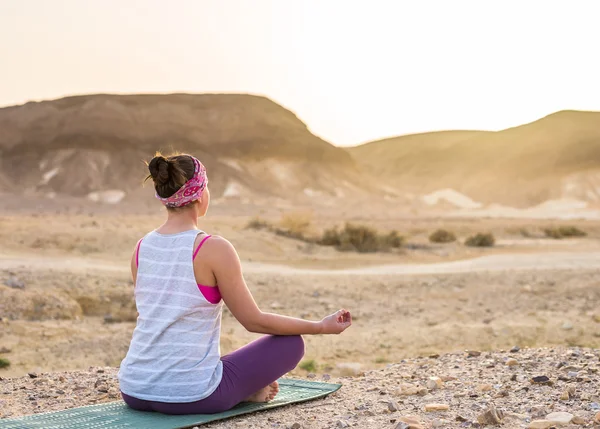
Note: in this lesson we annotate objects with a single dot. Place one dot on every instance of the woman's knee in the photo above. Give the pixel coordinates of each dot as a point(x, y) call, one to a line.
point(294, 345)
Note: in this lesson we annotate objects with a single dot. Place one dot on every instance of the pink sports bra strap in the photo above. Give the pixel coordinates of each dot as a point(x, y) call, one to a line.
point(200, 245)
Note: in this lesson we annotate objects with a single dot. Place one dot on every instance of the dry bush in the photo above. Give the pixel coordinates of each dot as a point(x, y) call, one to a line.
point(564, 232)
point(308, 365)
point(4, 363)
point(295, 225)
point(394, 240)
point(257, 223)
point(442, 236)
point(481, 240)
point(360, 238)
point(331, 237)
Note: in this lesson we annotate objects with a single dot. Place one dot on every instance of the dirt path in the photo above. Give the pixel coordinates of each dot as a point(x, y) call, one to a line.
point(494, 263)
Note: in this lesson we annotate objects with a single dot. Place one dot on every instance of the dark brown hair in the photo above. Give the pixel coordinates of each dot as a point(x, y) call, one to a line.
point(170, 173)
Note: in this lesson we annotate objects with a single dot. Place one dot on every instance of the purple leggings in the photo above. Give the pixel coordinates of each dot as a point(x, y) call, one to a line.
point(245, 372)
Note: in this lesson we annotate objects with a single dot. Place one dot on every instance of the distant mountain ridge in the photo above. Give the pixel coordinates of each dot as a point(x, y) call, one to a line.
point(85, 144)
point(556, 157)
point(94, 146)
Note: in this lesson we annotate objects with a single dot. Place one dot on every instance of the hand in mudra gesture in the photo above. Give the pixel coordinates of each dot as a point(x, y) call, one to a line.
point(337, 322)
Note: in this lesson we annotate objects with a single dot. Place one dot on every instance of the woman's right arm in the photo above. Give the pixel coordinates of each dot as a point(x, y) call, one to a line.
point(227, 270)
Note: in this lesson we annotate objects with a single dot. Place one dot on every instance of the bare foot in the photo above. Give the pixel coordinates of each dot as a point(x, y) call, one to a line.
point(265, 394)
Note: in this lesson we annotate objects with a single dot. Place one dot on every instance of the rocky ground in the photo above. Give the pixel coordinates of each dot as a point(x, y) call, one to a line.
point(517, 388)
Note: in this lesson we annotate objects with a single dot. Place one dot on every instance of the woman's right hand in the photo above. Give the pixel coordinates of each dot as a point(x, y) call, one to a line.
point(336, 323)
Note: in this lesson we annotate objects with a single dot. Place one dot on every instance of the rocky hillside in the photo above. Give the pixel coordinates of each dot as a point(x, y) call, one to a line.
point(530, 388)
point(555, 157)
point(94, 146)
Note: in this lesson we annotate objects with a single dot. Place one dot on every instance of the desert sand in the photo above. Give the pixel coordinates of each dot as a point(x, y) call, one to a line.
point(67, 305)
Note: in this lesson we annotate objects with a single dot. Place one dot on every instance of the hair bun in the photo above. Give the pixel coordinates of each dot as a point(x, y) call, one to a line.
point(159, 170)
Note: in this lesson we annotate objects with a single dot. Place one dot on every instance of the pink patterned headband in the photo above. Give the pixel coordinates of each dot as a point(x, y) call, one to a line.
point(191, 190)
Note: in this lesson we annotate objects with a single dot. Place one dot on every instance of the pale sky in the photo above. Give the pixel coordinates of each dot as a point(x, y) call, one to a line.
point(352, 70)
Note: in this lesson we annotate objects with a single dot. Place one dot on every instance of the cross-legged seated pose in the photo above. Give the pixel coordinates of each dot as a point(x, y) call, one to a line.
point(182, 277)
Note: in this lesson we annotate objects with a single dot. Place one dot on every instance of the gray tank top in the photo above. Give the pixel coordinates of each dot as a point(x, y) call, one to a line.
point(174, 355)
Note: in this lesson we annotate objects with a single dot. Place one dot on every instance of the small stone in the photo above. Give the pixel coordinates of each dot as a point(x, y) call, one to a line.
point(311, 375)
point(276, 306)
point(578, 420)
point(296, 426)
point(434, 383)
point(594, 406)
point(491, 416)
point(512, 362)
point(438, 423)
point(596, 418)
point(32, 375)
point(342, 424)
point(567, 326)
point(436, 407)
point(515, 349)
point(5, 350)
point(109, 318)
point(541, 424)
point(409, 422)
point(407, 390)
point(393, 406)
point(326, 377)
point(560, 418)
point(565, 396)
point(60, 392)
point(484, 387)
point(15, 283)
point(541, 379)
point(502, 393)
point(473, 353)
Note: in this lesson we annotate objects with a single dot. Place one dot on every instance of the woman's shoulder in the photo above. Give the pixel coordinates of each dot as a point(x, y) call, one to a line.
point(215, 242)
point(216, 247)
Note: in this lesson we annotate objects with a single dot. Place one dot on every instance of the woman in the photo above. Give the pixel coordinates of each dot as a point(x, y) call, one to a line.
point(182, 276)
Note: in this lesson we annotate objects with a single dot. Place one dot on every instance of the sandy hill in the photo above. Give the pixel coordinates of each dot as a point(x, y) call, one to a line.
point(85, 144)
point(555, 157)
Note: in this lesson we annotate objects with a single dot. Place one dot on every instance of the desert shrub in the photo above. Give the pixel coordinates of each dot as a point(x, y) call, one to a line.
point(360, 238)
point(257, 223)
point(308, 365)
point(442, 236)
point(331, 237)
point(553, 233)
point(564, 232)
point(525, 233)
point(393, 239)
point(4, 363)
point(295, 225)
point(481, 240)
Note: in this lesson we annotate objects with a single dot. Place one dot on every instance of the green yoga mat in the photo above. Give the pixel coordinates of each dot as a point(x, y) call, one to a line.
point(116, 415)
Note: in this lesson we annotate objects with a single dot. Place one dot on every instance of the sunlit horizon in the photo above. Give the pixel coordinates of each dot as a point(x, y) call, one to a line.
point(352, 73)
